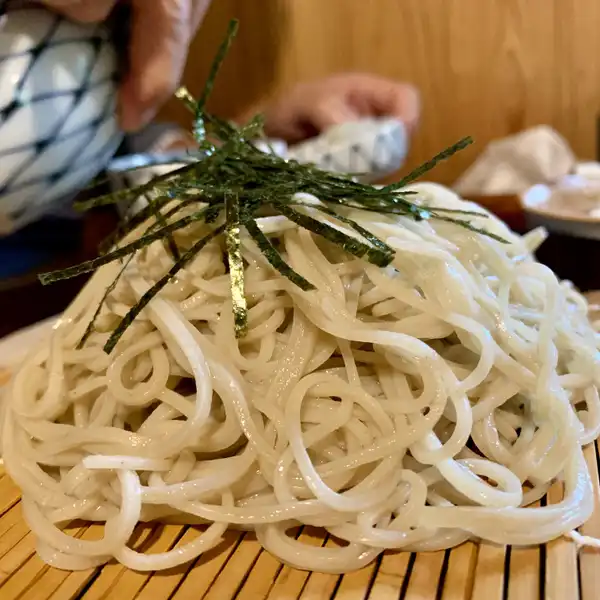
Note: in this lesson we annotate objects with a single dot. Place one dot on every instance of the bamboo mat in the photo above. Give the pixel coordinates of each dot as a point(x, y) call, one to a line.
point(240, 569)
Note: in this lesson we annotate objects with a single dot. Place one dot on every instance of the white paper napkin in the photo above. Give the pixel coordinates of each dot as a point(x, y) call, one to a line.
point(514, 164)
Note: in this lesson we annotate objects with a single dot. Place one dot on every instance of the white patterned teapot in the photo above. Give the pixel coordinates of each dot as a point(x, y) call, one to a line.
point(58, 125)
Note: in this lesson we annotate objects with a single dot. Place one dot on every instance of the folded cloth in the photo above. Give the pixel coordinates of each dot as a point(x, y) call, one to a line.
point(515, 163)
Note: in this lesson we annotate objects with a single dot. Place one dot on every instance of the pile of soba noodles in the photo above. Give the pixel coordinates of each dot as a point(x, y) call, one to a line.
point(411, 407)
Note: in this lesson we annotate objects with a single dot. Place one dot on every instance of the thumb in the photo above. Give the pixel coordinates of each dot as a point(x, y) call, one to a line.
point(159, 41)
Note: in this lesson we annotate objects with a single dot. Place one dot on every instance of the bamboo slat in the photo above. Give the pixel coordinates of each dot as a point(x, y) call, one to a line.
point(239, 569)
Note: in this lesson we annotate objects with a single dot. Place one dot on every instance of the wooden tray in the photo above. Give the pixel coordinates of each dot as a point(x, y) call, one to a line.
point(239, 568)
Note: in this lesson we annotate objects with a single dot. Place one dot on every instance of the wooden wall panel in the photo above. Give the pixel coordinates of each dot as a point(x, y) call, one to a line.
point(485, 68)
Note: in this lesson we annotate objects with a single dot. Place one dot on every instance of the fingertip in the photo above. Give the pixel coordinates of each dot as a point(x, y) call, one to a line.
point(156, 59)
point(333, 111)
point(132, 114)
point(406, 105)
point(132, 121)
point(414, 109)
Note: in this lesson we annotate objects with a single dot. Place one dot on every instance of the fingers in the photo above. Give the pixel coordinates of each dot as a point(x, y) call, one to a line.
point(397, 100)
point(160, 36)
point(363, 95)
point(288, 128)
point(317, 106)
point(161, 33)
point(82, 10)
point(199, 9)
point(333, 111)
point(60, 3)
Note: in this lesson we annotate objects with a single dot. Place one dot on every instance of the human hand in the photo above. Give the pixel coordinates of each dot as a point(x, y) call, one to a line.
point(161, 32)
point(310, 108)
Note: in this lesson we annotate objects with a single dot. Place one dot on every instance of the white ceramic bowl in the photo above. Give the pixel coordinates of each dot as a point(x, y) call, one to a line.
point(58, 129)
point(571, 207)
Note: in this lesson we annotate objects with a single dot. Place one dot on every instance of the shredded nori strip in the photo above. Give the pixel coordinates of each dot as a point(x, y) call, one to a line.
point(233, 183)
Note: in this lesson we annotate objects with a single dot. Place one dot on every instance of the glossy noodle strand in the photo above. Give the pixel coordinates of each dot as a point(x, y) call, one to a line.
point(410, 408)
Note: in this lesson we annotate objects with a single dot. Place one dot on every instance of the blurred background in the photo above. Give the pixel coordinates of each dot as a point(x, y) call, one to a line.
point(485, 69)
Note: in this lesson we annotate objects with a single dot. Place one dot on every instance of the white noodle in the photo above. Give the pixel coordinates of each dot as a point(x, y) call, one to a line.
point(412, 407)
